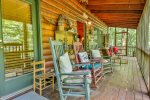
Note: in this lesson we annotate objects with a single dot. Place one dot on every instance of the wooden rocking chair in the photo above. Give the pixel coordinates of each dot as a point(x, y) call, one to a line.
point(105, 52)
point(95, 67)
point(68, 81)
point(104, 60)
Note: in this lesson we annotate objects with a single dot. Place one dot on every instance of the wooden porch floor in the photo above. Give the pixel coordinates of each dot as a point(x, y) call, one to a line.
point(126, 83)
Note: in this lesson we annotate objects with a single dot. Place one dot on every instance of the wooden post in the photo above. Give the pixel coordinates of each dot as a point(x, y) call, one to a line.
point(85, 36)
point(115, 37)
point(127, 43)
point(149, 79)
point(25, 39)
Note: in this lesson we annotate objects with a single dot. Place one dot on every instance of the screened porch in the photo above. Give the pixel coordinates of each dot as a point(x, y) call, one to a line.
point(74, 49)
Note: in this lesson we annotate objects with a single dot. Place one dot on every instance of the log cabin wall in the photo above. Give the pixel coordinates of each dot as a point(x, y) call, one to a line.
point(143, 43)
point(50, 10)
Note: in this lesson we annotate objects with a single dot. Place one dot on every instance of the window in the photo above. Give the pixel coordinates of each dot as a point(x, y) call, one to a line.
point(17, 37)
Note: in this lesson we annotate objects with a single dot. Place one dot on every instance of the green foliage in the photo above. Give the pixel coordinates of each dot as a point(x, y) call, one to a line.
point(12, 31)
point(131, 37)
point(121, 37)
point(111, 32)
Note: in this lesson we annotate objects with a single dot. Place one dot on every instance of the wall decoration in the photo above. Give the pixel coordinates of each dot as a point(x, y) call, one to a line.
point(66, 31)
point(65, 24)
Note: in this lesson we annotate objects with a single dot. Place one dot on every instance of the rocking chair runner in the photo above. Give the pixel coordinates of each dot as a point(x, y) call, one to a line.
point(71, 80)
point(95, 68)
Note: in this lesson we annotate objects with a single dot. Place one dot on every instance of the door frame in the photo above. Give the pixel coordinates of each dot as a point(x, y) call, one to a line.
point(20, 82)
point(126, 50)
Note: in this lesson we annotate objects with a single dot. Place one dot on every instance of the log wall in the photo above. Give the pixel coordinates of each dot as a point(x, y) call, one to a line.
point(50, 9)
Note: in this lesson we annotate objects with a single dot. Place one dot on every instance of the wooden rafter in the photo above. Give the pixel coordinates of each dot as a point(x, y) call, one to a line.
point(102, 2)
point(123, 13)
point(116, 7)
point(118, 11)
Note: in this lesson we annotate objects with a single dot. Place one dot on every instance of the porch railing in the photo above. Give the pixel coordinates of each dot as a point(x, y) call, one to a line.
point(131, 51)
point(127, 51)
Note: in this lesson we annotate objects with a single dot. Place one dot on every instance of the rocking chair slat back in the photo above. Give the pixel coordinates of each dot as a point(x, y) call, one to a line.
point(57, 51)
point(78, 47)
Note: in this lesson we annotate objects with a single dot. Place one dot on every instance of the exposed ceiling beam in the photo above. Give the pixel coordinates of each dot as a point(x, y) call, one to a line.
point(116, 7)
point(119, 18)
point(117, 11)
point(132, 22)
point(118, 15)
point(135, 24)
point(123, 26)
point(102, 2)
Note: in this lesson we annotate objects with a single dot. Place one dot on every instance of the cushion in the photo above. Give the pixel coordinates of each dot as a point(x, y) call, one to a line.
point(83, 57)
point(78, 79)
point(65, 64)
point(115, 49)
point(110, 52)
point(96, 54)
point(96, 66)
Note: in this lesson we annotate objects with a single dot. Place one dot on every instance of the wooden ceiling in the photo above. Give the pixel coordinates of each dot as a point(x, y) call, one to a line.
point(118, 13)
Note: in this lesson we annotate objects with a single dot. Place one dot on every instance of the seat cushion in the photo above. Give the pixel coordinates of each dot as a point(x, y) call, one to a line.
point(78, 79)
point(96, 66)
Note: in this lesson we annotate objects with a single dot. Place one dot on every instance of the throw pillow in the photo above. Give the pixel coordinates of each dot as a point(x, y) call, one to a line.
point(96, 54)
point(83, 57)
point(65, 64)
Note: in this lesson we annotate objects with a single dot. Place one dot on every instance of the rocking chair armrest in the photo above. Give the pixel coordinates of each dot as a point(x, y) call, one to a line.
point(76, 73)
point(80, 64)
point(109, 57)
point(87, 63)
